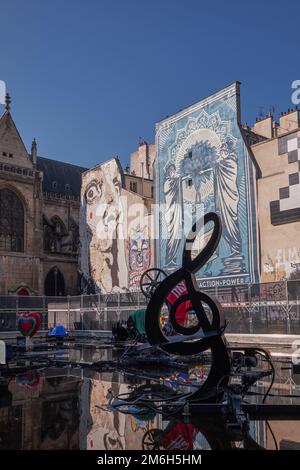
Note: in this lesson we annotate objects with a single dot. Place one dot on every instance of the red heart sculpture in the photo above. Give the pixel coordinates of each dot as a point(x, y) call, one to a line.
point(29, 323)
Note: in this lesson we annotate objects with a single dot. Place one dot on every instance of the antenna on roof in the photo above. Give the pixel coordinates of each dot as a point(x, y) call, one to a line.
point(261, 112)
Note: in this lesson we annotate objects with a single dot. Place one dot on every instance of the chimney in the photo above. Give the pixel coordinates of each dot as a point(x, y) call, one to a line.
point(144, 159)
point(33, 152)
point(288, 121)
point(264, 126)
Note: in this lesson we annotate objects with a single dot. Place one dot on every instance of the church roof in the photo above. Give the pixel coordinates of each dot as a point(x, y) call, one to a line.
point(60, 178)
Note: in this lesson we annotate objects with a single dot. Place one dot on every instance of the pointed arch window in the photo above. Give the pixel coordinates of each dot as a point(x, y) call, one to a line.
point(11, 222)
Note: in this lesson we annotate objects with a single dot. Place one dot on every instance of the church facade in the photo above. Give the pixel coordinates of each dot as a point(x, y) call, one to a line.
point(39, 218)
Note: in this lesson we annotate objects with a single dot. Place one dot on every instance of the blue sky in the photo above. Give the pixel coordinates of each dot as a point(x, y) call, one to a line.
point(88, 78)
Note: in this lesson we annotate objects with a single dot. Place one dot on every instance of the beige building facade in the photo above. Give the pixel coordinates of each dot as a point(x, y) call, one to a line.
point(141, 161)
point(278, 191)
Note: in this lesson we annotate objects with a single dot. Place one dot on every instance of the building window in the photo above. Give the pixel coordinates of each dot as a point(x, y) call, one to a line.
point(11, 222)
point(190, 154)
point(11, 155)
point(133, 186)
point(4, 154)
point(68, 187)
point(152, 192)
point(189, 183)
point(54, 184)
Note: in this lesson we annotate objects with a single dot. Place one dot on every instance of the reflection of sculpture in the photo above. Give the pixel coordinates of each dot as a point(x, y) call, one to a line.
point(30, 380)
point(173, 213)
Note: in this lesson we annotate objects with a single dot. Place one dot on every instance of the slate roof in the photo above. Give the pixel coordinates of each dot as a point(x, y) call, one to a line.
point(57, 175)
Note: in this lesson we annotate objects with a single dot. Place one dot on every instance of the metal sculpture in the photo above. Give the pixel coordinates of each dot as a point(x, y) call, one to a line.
point(150, 279)
point(207, 334)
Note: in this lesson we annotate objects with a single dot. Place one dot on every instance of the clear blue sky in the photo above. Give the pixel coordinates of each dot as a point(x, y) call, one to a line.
point(87, 78)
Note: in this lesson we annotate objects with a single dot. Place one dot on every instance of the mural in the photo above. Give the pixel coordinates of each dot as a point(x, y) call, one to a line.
point(203, 165)
point(101, 229)
point(286, 208)
point(114, 235)
point(139, 254)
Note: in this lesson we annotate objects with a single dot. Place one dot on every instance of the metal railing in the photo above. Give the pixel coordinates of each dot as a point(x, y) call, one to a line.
point(256, 308)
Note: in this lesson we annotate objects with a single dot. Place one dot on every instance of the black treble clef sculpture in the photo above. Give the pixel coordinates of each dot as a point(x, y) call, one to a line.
point(181, 293)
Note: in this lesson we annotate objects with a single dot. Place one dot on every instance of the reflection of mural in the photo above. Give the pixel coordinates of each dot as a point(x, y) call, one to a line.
point(112, 431)
point(203, 165)
point(139, 254)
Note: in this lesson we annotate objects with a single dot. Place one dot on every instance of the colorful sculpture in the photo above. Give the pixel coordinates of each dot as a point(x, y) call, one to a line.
point(29, 323)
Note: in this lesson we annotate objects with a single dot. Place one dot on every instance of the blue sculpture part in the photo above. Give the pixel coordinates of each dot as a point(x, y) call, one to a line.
point(58, 331)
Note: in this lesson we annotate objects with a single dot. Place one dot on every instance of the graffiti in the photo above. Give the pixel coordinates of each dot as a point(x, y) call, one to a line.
point(204, 165)
point(139, 255)
point(272, 291)
point(286, 262)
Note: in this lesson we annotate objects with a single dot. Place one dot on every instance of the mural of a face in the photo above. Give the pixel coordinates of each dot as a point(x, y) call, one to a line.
point(102, 217)
point(102, 196)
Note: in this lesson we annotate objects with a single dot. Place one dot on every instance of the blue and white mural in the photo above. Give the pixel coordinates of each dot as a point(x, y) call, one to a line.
point(203, 165)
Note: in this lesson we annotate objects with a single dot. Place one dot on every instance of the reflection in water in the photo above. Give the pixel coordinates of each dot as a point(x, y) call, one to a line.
point(65, 408)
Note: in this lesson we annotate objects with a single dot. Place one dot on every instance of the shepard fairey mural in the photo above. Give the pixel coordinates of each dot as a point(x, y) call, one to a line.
point(203, 165)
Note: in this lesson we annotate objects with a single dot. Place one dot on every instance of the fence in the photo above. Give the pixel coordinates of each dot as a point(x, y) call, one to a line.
point(256, 308)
